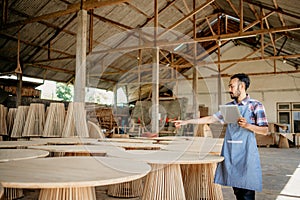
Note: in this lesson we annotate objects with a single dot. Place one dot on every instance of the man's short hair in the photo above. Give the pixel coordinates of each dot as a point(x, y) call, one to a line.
point(243, 78)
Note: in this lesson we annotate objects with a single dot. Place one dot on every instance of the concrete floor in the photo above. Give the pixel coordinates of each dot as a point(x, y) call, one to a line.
point(277, 166)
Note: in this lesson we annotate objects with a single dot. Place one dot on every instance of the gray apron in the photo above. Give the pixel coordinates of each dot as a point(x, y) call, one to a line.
point(241, 166)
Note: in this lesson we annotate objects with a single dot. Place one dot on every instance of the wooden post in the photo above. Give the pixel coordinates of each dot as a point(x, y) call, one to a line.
point(80, 76)
point(19, 90)
point(155, 76)
point(195, 71)
point(155, 91)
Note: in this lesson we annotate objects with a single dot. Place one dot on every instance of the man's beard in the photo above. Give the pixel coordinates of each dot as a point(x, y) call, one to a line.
point(236, 95)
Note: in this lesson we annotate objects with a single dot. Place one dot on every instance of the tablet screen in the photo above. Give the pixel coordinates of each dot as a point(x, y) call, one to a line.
point(230, 113)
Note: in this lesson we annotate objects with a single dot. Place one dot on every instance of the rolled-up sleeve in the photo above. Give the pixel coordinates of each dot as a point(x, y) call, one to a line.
point(219, 117)
point(260, 115)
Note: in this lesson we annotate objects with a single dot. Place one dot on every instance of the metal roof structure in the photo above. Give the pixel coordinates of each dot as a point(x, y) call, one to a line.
point(40, 36)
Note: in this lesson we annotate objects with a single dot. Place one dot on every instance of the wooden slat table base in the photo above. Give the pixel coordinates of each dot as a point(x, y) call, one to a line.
point(160, 179)
point(198, 182)
point(127, 189)
point(81, 193)
point(1, 191)
point(13, 193)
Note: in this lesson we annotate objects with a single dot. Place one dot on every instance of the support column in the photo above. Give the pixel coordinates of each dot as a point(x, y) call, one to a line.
point(155, 91)
point(80, 74)
point(155, 75)
point(19, 90)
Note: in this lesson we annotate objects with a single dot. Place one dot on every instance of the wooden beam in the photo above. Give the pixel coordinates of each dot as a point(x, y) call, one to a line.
point(50, 68)
point(253, 10)
point(233, 8)
point(272, 9)
point(270, 34)
point(80, 74)
point(250, 54)
point(243, 60)
point(34, 45)
point(237, 35)
point(279, 14)
point(72, 8)
point(4, 12)
point(201, 7)
point(228, 36)
point(241, 16)
point(91, 30)
point(253, 74)
point(155, 75)
point(51, 60)
point(262, 36)
point(211, 29)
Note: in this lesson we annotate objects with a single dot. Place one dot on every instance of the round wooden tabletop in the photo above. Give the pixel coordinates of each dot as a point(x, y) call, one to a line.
point(93, 149)
point(69, 140)
point(63, 172)
point(197, 144)
point(132, 145)
point(167, 157)
point(129, 140)
point(21, 154)
point(20, 144)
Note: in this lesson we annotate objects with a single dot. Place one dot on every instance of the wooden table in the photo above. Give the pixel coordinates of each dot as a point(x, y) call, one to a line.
point(132, 145)
point(69, 140)
point(7, 155)
point(129, 140)
point(19, 144)
point(165, 181)
point(1, 191)
point(77, 150)
point(197, 145)
point(21, 154)
point(63, 178)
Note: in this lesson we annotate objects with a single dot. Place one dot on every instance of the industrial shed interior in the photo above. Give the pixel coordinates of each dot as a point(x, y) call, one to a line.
point(172, 59)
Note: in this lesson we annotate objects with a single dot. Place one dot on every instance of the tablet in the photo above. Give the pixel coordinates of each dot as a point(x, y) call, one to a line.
point(230, 113)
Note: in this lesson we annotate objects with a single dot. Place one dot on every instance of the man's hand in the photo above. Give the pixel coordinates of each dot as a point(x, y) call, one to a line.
point(179, 123)
point(242, 122)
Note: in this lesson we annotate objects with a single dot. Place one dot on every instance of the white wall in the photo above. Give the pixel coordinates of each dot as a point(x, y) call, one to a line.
point(269, 89)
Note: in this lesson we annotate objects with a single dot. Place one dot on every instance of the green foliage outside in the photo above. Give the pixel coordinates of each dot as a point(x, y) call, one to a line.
point(64, 92)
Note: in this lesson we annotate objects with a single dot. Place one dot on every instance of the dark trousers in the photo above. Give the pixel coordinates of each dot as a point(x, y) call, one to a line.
point(244, 194)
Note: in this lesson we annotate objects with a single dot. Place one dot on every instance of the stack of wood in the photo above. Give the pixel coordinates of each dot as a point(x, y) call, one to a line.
point(106, 118)
point(19, 121)
point(55, 120)
point(34, 125)
point(75, 123)
point(11, 115)
point(3, 126)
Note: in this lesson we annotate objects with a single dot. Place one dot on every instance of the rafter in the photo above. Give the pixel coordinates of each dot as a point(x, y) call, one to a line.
point(243, 60)
point(201, 7)
point(233, 8)
point(72, 8)
point(252, 53)
point(272, 9)
point(35, 45)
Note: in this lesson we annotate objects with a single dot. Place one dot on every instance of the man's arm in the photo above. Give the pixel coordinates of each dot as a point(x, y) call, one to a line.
point(202, 120)
point(262, 130)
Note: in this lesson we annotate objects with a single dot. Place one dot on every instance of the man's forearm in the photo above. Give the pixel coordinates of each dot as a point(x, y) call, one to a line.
point(202, 120)
point(262, 130)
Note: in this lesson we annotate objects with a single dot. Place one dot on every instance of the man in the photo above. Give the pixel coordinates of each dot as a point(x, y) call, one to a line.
point(241, 166)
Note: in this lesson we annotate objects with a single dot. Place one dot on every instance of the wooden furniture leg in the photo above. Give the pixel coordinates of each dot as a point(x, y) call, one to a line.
point(128, 189)
point(198, 181)
point(164, 182)
point(81, 193)
point(13, 193)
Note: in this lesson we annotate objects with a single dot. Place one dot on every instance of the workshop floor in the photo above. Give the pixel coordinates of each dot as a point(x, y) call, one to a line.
point(277, 166)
